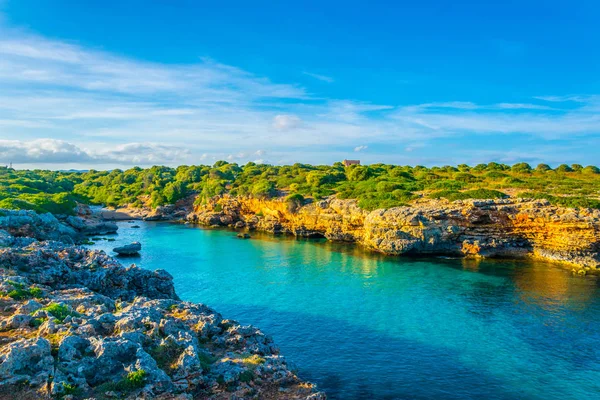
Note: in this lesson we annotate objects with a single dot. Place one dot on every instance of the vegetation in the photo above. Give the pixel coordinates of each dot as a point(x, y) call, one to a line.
point(374, 186)
point(132, 381)
point(166, 355)
point(20, 292)
point(59, 311)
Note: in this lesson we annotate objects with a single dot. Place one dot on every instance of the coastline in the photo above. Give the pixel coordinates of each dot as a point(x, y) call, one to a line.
point(77, 324)
point(508, 228)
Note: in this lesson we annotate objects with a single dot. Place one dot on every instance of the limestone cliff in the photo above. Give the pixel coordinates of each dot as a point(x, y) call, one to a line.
point(512, 228)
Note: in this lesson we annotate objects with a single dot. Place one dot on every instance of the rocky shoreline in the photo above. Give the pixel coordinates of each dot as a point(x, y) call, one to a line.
point(75, 323)
point(506, 228)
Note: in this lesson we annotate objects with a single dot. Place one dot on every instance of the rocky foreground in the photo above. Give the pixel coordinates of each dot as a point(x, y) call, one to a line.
point(75, 323)
point(513, 228)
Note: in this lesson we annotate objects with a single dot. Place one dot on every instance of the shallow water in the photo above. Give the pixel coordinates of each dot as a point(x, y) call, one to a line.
point(364, 326)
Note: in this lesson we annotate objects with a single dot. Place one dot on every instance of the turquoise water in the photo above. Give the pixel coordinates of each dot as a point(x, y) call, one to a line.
point(364, 326)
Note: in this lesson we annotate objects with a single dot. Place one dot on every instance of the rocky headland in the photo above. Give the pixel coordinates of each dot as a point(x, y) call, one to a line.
point(75, 323)
point(508, 228)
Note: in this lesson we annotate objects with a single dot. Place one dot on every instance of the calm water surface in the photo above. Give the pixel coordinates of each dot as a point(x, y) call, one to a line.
point(364, 326)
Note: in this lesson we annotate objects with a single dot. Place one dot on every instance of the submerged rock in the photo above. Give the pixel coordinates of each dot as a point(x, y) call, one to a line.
point(243, 235)
point(129, 249)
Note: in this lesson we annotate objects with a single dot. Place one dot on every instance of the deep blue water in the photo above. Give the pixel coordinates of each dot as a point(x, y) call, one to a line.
point(364, 326)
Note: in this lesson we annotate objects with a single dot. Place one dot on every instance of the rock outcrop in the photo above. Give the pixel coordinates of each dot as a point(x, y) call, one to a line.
point(75, 323)
point(128, 249)
point(68, 229)
point(511, 228)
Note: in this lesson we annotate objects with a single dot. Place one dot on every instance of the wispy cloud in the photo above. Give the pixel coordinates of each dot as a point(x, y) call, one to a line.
point(68, 102)
point(319, 77)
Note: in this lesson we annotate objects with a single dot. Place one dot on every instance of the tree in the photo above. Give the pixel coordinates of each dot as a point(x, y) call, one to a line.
point(590, 169)
point(521, 168)
point(564, 168)
point(543, 168)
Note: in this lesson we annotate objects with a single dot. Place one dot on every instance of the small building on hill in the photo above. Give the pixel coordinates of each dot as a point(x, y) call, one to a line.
point(348, 163)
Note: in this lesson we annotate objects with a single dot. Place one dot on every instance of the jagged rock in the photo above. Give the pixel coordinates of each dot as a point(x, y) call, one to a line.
point(71, 229)
point(240, 225)
point(6, 238)
point(26, 361)
point(92, 226)
point(128, 249)
point(98, 326)
point(24, 223)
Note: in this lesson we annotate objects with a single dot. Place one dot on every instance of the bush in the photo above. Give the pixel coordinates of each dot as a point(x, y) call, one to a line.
point(563, 201)
point(521, 168)
point(133, 380)
point(465, 177)
point(495, 175)
point(447, 185)
point(21, 293)
point(265, 189)
point(543, 168)
point(480, 194)
point(58, 311)
point(564, 168)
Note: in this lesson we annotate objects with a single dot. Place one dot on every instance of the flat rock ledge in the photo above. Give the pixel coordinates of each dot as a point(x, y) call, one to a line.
point(76, 324)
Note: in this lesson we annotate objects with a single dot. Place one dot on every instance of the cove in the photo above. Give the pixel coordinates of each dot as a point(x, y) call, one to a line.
point(365, 326)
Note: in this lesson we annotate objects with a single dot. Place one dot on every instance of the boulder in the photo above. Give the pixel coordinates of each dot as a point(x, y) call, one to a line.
point(26, 360)
point(128, 249)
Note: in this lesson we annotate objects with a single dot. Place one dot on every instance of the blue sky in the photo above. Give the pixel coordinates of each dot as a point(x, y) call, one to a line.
point(121, 83)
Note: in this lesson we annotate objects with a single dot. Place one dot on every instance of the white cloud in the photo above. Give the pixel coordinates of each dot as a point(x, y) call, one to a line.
point(41, 150)
point(360, 148)
point(319, 77)
point(52, 151)
point(286, 122)
point(521, 106)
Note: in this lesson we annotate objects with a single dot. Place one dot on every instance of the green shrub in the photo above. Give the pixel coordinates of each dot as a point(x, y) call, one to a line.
point(563, 201)
point(495, 175)
point(70, 389)
point(480, 194)
point(19, 291)
point(58, 311)
point(447, 185)
point(465, 177)
point(590, 169)
point(543, 168)
point(133, 380)
point(264, 189)
point(564, 168)
point(521, 168)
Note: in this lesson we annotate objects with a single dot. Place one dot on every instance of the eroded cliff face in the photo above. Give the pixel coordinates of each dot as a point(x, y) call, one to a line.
point(513, 228)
